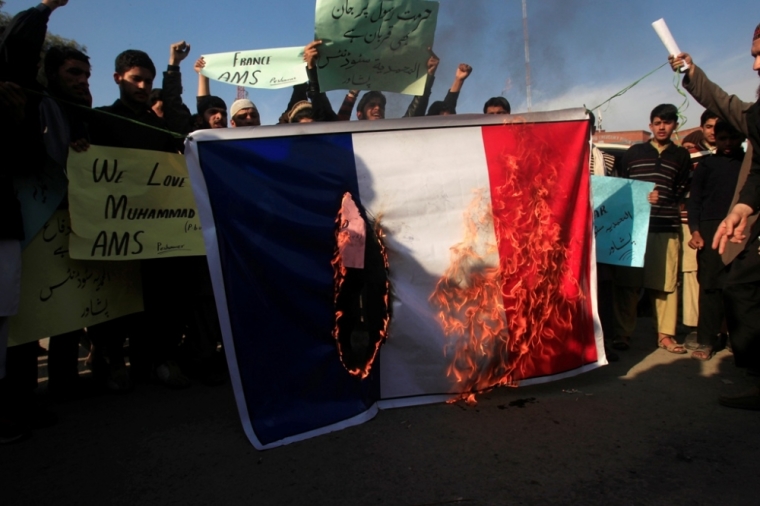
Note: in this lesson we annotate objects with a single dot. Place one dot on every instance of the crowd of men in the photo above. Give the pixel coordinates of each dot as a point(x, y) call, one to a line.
point(176, 339)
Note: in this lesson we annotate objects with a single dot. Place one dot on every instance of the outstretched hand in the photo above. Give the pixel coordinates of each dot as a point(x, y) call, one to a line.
point(678, 61)
point(178, 52)
point(732, 228)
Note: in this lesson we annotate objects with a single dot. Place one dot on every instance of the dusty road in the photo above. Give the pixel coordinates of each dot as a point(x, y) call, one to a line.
point(646, 430)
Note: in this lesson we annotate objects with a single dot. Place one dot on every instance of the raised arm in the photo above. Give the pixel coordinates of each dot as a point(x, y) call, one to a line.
point(176, 114)
point(419, 104)
point(711, 96)
point(204, 86)
point(322, 108)
point(22, 42)
point(460, 76)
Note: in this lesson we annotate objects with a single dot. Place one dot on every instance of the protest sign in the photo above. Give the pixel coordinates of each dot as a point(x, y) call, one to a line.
point(60, 295)
point(621, 220)
point(39, 196)
point(264, 68)
point(375, 44)
point(130, 204)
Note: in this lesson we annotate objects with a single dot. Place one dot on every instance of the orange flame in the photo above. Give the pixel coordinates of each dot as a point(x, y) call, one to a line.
point(501, 319)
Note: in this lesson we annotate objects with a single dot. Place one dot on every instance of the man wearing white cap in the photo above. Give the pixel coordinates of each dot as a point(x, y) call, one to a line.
point(244, 113)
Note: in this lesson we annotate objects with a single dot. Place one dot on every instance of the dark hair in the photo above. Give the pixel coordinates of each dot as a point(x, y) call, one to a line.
point(695, 138)
point(498, 102)
point(439, 107)
point(207, 102)
point(726, 127)
point(706, 116)
point(666, 112)
point(369, 97)
point(56, 56)
point(157, 95)
point(134, 58)
point(306, 112)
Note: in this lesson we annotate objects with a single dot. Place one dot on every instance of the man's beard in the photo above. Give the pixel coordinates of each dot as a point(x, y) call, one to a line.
point(758, 92)
point(58, 91)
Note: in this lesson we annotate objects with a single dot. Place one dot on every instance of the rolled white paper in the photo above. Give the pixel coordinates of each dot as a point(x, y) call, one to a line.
point(667, 39)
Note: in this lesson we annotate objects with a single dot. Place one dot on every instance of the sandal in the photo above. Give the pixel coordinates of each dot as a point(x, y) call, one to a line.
point(704, 354)
point(621, 343)
point(673, 347)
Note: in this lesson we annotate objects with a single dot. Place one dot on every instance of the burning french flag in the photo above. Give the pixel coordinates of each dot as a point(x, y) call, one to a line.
point(372, 264)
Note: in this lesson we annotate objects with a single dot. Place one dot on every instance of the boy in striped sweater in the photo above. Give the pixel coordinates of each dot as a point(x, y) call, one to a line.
point(661, 162)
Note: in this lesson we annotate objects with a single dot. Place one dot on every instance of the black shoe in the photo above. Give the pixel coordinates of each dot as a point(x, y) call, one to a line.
point(611, 355)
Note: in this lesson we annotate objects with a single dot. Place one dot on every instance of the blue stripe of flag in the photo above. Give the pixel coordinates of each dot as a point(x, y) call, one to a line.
point(275, 202)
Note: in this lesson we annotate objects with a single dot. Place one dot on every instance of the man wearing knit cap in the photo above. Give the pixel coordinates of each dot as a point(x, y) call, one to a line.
point(244, 113)
point(741, 287)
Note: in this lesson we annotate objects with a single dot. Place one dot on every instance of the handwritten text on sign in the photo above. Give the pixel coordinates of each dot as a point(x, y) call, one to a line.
point(129, 204)
point(60, 295)
point(266, 68)
point(375, 44)
point(621, 220)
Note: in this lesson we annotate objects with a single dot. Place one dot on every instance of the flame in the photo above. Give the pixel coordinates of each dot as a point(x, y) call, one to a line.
point(501, 316)
point(341, 274)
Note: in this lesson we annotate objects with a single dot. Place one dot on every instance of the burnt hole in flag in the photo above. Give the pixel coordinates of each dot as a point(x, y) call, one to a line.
point(362, 289)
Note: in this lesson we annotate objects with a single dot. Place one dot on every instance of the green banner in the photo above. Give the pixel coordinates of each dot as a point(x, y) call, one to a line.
point(263, 68)
point(375, 44)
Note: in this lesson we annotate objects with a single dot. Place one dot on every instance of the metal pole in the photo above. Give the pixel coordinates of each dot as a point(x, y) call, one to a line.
point(527, 52)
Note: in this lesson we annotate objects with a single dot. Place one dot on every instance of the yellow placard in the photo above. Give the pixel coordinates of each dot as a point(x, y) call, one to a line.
point(61, 295)
point(130, 204)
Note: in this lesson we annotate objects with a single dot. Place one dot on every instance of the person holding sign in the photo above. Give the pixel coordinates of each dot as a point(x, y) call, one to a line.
point(212, 111)
point(661, 162)
point(155, 333)
point(372, 104)
point(738, 237)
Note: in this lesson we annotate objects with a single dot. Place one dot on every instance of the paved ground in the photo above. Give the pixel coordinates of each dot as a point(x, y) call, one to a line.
point(646, 430)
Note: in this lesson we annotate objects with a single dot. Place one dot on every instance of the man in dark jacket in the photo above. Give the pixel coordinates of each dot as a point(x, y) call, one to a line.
point(742, 277)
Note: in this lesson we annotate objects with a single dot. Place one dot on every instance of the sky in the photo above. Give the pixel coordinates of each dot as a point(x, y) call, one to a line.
point(582, 51)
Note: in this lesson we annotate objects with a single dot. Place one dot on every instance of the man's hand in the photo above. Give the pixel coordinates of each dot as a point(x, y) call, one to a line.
point(653, 197)
point(54, 4)
point(432, 63)
point(696, 241)
point(200, 63)
point(12, 102)
point(463, 72)
point(679, 60)
point(80, 145)
point(732, 227)
point(178, 52)
point(311, 53)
